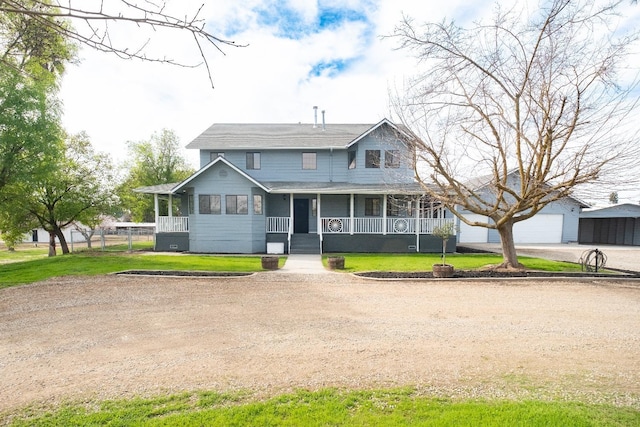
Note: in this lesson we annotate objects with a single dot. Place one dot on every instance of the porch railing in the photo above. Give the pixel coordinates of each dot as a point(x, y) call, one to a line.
point(342, 225)
point(278, 224)
point(172, 224)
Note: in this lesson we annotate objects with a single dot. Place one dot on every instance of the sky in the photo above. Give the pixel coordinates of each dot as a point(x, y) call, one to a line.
point(298, 54)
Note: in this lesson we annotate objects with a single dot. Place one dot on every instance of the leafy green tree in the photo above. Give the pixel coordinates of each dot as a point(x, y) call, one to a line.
point(155, 161)
point(32, 43)
point(79, 191)
point(14, 226)
point(32, 61)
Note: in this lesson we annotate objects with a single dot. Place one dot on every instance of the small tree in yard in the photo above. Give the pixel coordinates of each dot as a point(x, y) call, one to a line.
point(445, 232)
point(538, 95)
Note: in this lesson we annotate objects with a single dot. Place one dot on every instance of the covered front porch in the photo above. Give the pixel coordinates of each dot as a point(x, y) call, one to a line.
point(356, 222)
point(324, 222)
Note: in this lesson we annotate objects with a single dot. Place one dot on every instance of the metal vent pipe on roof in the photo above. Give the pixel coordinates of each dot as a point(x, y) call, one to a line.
point(323, 125)
point(315, 116)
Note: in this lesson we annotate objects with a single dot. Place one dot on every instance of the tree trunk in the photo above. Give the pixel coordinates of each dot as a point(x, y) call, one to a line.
point(509, 255)
point(63, 240)
point(52, 243)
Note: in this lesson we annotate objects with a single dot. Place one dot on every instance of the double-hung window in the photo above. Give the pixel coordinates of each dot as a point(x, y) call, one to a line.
point(215, 154)
point(351, 161)
point(253, 160)
point(237, 204)
point(209, 204)
point(308, 160)
point(392, 159)
point(372, 158)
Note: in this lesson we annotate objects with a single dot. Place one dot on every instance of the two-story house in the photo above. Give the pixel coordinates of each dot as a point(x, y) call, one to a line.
point(300, 188)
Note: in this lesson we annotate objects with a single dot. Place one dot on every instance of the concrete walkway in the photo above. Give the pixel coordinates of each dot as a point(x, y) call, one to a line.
point(305, 264)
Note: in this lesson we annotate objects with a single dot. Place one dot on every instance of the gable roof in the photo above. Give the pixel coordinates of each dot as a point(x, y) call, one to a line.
point(272, 136)
point(209, 165)
point(174, 187)
point(484, 181)
point(622, 210)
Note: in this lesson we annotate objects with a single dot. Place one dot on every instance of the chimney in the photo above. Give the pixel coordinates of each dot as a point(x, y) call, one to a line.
point(323, 125)
point(315, 117)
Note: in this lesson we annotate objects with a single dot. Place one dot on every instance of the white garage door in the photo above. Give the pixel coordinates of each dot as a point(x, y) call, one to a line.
point(469, 234)
point(542, 228)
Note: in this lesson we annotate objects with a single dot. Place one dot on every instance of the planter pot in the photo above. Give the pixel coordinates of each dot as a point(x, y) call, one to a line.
point(336, 263)
point(441, 271)
point(270, 262)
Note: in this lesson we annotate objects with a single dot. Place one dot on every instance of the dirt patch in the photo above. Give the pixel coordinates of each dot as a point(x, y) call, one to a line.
point(119, 336)
point(488, 274)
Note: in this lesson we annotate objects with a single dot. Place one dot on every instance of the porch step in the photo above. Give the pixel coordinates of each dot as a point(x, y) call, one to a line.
point(305, 244)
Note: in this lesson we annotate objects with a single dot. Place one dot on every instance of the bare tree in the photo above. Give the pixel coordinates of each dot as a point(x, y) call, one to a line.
point(88, 23)
point(528, 107)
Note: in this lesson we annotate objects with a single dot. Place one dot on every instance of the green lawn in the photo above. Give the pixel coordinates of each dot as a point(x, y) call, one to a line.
point(31, 265)
point(424, 262)
point(95, 262)
point(396, 407)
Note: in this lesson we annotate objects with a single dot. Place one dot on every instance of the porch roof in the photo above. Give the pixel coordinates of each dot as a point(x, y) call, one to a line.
point(342, 188)
point(157, 189)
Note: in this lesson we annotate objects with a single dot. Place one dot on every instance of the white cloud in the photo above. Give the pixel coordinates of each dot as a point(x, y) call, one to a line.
point(270, 80)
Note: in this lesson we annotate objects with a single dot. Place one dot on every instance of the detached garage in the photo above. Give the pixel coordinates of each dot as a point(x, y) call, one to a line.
point(613, 225)
point(557, 222)
point(542, 228)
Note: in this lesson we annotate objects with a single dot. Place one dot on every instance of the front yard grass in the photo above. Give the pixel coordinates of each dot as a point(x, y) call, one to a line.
point(32, 266)
point(424, 262)
point(394, 407)
point(91, 263)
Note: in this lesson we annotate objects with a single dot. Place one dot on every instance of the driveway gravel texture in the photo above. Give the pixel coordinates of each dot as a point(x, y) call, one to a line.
point(109, 337)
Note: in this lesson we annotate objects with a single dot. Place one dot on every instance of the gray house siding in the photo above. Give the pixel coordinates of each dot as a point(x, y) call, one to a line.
point(225, 233)
point(362, 174)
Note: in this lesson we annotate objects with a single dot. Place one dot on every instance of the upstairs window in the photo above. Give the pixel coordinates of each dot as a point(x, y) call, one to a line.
point(372, 207)
point(215, 155)
point(253, 160)
point(392, 159)
point(351, 159)
point(209, 204)
point(237, 205)
point(372, 159)
point(308, 160)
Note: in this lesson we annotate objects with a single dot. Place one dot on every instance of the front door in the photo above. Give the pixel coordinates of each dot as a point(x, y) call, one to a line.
point(300, 215)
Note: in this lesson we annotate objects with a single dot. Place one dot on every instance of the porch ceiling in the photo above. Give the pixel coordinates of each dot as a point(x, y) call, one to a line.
point(342, 188)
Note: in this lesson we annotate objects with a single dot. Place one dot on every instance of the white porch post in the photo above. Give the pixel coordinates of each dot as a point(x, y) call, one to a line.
point(156, 208)
point(351, 211)
point(417, 207)
point(384, 214)
point(170, 205)
point(318, 216)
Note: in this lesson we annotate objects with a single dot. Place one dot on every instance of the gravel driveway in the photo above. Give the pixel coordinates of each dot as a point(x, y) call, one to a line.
point(118, 336)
